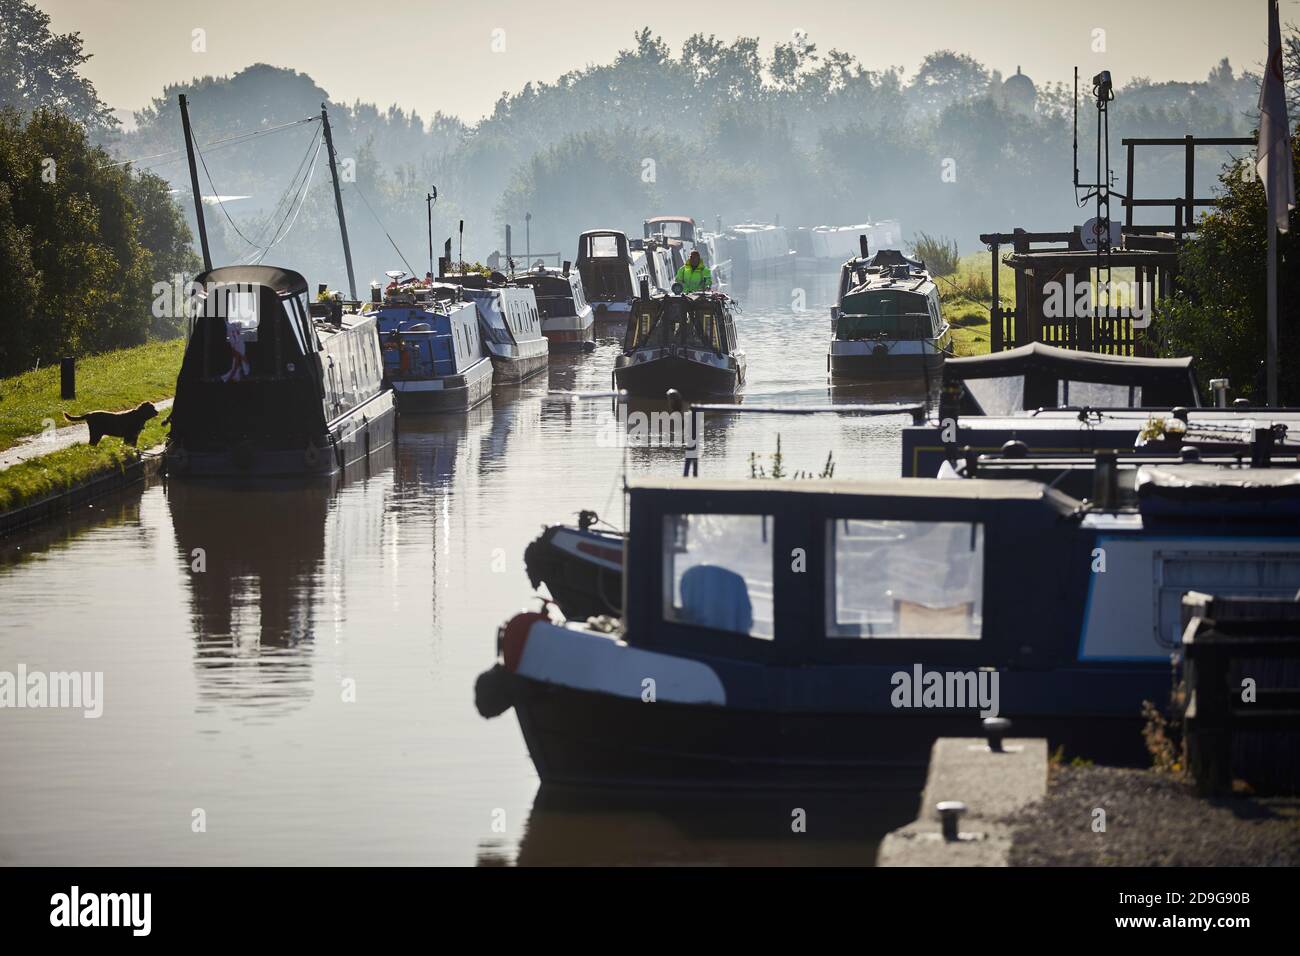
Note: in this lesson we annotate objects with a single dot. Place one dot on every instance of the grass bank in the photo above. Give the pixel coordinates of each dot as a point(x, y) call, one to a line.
point(31, 480)
point(967, 296)
point(113, 381)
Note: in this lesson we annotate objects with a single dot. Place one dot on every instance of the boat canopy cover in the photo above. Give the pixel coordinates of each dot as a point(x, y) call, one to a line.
point(1197, 491)
point(699, 321)
point(284, 282)
point(1165, 382)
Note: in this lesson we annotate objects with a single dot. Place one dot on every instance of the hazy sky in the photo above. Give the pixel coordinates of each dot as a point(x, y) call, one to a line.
point(432, 56)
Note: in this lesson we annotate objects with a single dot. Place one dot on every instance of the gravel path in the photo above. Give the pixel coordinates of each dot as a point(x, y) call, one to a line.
point(1151, 820)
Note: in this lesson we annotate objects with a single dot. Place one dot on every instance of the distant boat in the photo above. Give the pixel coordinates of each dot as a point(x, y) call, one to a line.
point(680, 235)
point(510, 324)
point(659, 259)
point(611, 272)
point(432, 350)
point(888, 323)
point(754, 249)
point(682, 342)
point(271, 385)
point(568, 320)
point(830, 246)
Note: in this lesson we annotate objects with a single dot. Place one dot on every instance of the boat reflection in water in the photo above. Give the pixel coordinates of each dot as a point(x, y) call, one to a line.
point(572, 827)
point(257, 556)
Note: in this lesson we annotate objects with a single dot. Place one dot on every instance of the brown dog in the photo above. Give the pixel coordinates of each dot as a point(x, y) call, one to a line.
point(124, 425)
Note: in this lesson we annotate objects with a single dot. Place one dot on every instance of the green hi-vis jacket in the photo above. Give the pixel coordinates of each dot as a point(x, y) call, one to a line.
point(693, 280)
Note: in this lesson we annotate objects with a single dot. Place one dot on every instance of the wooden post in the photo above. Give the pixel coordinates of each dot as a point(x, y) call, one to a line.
point(68, 378)
point(1128, 197)
point(1189, 171)
point(995, 313)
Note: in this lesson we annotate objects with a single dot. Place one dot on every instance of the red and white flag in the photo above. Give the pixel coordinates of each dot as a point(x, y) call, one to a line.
point(1274, 149)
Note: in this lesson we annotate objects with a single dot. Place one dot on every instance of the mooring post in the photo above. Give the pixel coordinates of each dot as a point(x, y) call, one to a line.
point(68, 377)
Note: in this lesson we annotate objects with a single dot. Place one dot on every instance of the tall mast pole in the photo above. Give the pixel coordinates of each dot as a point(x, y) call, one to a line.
point(338, 202)
point(194, 184)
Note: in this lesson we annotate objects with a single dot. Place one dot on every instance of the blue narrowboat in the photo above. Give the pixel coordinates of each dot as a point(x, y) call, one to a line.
point(433, 353)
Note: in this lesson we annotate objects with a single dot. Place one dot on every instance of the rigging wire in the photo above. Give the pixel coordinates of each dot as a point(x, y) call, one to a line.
point(229, 140)
point(226, 212)
point(302, 201)
point(409, 268)
point(295, 191)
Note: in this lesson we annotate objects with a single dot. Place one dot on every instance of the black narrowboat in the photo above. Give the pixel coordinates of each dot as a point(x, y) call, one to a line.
point(684, 342)
point(274, 386)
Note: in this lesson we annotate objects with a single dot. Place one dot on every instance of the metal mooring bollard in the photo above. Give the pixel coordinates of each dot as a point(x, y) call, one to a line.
point(995, 728)
point(950, 812)
point(68, 377)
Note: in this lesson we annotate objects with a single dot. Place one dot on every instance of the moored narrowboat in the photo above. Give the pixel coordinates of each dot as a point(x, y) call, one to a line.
point(611, 271)
point(568, 320)
point(433, 353)
point(272, 385)
point(823, 634)
point(510, 325)
point(888, 323)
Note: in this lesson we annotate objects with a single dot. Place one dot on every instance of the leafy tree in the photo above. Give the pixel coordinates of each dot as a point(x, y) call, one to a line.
point(40, 69)
point(84, 241)
point(1219, 312)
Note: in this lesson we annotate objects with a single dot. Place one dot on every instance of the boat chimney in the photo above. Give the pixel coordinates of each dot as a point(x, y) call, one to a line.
point(1261, 451)
point(862, 244)
point(1105, 481)
point(645, 288)
point(442, 266)
point(1219, 386)
point(376, 294)
point(567, 266)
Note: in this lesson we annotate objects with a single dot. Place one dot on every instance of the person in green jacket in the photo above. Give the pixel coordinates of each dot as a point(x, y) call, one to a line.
point(694, 275)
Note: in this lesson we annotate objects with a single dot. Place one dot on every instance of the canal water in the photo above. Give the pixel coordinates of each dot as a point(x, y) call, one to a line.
point(288, 673)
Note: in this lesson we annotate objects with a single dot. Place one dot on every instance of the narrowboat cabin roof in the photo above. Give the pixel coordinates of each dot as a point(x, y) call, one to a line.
point(284, 282)
point(1039, 371)
point(764, 490)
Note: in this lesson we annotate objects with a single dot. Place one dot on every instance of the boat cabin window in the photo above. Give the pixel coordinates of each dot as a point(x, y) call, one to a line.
point(905, 579)
point(1097, 395)
point(889, 312)
point(718, 572)
point(603, 247)
point(1004, 395)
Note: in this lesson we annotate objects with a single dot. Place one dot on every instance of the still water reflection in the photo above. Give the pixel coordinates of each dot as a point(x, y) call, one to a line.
point(288, 672)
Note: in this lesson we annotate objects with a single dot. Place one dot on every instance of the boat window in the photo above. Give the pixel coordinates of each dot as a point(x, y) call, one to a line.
point(1097, 395)
point(908, 579)
point(998, 396)
point(291, 314)
point(718, 572)
point(604, 247)
point(1241, 573)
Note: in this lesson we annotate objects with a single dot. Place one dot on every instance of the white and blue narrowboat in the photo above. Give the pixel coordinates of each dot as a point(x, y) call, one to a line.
point(509, 324)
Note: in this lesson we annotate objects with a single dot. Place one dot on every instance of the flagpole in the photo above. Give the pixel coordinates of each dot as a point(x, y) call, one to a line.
point(1272, 312)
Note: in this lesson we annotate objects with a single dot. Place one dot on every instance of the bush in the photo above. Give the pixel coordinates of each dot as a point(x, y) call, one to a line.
point(937, 252)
